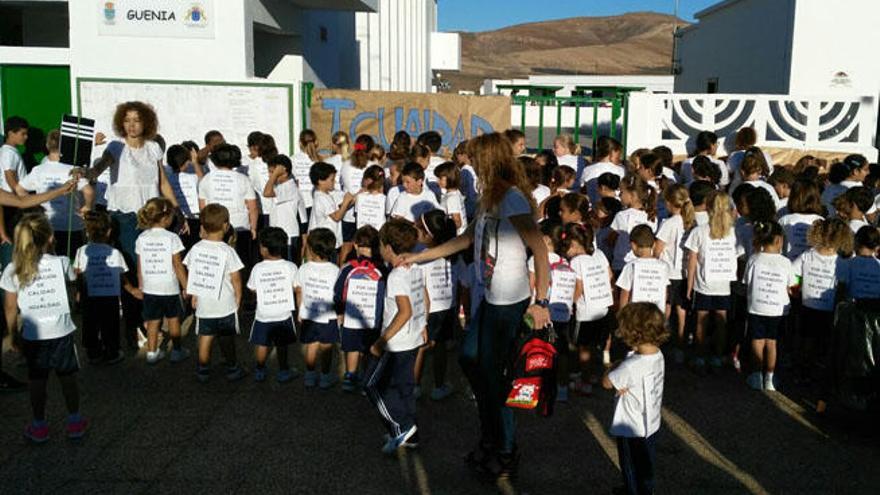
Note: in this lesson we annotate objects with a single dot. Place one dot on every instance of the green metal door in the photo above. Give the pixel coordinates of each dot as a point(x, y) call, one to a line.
point(40, 94)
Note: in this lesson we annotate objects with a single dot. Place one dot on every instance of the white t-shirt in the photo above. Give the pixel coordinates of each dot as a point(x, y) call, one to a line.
point(317, 280)
point(623, 223)
point(44, 307)
point(453, 202)
point(796, 226)
point(672, 234)
point(337, 162)
point(323, 205)
point(433, 163)
point(409, 282)
point(819, 278)
point(52, 175)
point(591, 175)
point(734, 161)
point(351, 179)
point(637, 412)
point(592, 269)
point(258, 173)
point(287, 205)
point(563, 280)
point(540, 193)
point(716, 266)
point(302, 165)
point(770, 189)
point(856, 223)
point(230, 189)
point(213, 263)
point(102, 266)
point(440, 280)
point(646, 280)
point(413, 206)
point(501, 252)
point(155, 249)
point(10, 159)
point(768, 277)
point(186, 191)
point(862, 277)
point(369, 209)
point(138, 178)
point(701, 217)
point(272, 280)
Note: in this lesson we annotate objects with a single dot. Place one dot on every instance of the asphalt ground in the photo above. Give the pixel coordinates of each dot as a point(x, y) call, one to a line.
point(157, 430)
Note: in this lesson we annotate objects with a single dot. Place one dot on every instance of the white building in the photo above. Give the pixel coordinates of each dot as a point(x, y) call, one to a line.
point(652, 84)
point(796, 47)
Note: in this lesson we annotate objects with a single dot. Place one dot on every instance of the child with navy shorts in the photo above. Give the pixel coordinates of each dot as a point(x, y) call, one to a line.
point(272, 281)
point(316, 316)
point(638, 384)
point(160, 276)
point(358, 294)
point(390, 374)
point(215, 287)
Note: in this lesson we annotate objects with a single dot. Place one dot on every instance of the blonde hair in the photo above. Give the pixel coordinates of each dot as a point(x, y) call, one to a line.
point(343, 144)
point(53, 141)
point(492, 158)
point(646, 194)
point(641, 323)
point(831, 233)
point(720, 216)
point(568, 141)
point(156, 210)
point(677, 196)
point(33, 237)
point(308, 143)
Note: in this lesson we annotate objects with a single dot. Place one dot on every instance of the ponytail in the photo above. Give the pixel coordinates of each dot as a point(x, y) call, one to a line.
point(576, 232)
point(720, 216)
point(33, 235)
point(677, 196)
point(343, 145)
point(308, 142)
point(765, 234)
point(154, 212)
point(363, 147)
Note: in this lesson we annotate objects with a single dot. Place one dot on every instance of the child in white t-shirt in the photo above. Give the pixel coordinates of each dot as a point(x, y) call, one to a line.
point(638, 384)
point(639, 199)
point(451, 200)
point(215, 287)
point(36, 286)
point(287, 204)
point(390, 376)
point(313, 285)
point(326, 213)
point(414, 198)
point(769, 279)
point(185, 184)
point(160, 275)
point(272, 281)
point(369, 207)
point(645, 278)
point(593, 297)
point(101, 271)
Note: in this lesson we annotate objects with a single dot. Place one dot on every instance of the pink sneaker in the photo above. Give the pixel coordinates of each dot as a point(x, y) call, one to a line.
point(37, 434)
point(76, 429)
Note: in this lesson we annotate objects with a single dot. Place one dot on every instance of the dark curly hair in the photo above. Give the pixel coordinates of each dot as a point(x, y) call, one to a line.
point(146, 112)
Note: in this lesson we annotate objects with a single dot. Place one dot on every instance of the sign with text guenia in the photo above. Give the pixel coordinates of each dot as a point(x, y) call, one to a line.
point(156, 18)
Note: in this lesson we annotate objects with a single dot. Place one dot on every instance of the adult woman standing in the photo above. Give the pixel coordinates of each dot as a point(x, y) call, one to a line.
point(136, 176)
point(503, 231)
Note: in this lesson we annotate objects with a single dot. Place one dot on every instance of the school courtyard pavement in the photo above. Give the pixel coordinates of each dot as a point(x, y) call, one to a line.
point(157, 430)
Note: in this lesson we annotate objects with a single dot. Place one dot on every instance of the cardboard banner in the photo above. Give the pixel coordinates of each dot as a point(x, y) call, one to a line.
point(383, 113)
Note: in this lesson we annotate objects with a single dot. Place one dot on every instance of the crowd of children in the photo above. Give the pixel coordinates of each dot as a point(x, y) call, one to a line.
point(732, 257)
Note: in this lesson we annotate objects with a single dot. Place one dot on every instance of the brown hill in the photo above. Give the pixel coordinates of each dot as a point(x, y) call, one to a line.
point(636, 43)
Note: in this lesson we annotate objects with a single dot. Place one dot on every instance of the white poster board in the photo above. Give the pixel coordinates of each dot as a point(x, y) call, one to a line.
point(189, 109)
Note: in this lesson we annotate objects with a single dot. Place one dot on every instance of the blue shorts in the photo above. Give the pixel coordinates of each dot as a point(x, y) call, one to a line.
point(441, 325)
point(43, 356)
point(358, 340)
point(323, 333)
point(273, 333)
point(595, 333)
point(703, 302)
point(159, 307)
point(225, 326)
point(764, 327)
point(348, 230)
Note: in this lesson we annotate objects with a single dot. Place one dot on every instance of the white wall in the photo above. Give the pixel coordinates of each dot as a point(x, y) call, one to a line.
point(445, 51)
point(848, 45)
point(746, 45)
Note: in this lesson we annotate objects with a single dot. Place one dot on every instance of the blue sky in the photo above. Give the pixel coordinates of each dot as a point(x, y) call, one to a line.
point(482, 15)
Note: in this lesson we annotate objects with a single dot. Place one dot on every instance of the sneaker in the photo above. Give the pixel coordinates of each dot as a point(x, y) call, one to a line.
point(442, 392)
point(141, 338)
point(754, 381)
point(178, 355)
point(76, 427)
point(561, 394)
point(606, 358)
point(285, 376)
point(118, 357)
point(10, 384)
point(737, 365)
point(203, 374)
point(154, 357)
point(769, 385)
point(417, 392)
point(678, 356)
point(349, 382)
point(395, 443)
point(328, 380)
point(37, 433)
point(259, 374)
point(235, 374)
point(310, 379)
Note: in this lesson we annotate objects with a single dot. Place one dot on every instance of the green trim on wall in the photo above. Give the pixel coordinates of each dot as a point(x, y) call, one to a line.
point(39, 93)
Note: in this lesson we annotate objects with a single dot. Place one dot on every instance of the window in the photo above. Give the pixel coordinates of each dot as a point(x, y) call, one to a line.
point(323, 34)
point(712, 85)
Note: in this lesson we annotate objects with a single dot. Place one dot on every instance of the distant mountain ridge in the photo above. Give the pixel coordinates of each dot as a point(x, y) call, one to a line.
point(634, 43)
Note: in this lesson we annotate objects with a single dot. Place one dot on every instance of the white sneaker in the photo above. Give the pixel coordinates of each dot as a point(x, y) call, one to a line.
point(442, 392)
point(141, 338)
point(155, 356)
point(769, 385)
point(178, 355)
point(754, 381)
